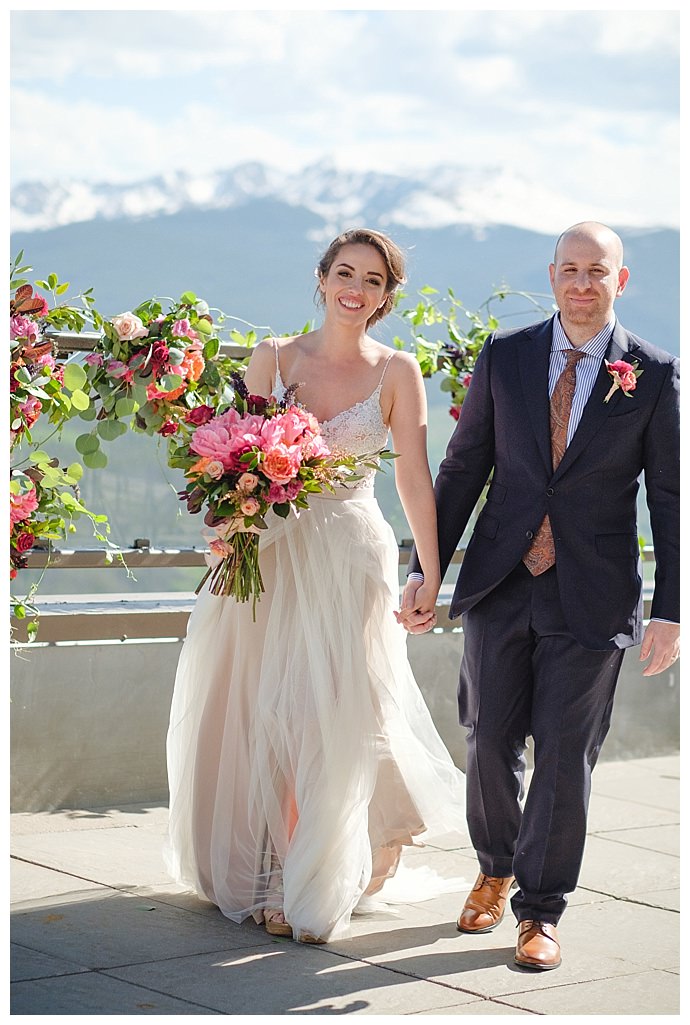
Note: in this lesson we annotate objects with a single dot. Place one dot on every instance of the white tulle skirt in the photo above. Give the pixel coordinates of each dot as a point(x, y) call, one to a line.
point(301, 755)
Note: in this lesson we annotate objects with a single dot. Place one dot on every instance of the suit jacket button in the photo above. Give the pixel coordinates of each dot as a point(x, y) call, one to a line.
point(529, 535)
point(549, 491)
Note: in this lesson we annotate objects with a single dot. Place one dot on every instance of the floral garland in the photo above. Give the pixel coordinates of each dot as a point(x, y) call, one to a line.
point(156, 373)
point(44, 497)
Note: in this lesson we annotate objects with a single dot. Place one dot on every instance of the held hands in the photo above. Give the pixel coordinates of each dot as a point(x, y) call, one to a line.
point(662, 642)
point(418, 607)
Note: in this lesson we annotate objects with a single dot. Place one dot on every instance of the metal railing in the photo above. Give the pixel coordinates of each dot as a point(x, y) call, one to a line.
point(90, 617)
point(68, 618)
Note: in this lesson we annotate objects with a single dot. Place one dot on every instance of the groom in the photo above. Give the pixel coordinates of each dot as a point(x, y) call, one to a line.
point(564, 417)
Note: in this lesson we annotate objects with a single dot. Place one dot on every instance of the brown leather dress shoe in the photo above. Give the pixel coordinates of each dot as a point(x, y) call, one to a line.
point(537, 945)
point(485, 904)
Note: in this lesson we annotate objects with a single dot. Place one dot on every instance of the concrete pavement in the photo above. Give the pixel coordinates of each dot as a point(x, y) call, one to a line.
point(97, 928)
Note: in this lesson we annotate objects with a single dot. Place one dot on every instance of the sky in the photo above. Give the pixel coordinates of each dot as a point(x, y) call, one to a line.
point(582, 103)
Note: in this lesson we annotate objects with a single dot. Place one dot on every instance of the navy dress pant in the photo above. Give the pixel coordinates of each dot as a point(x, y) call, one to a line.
point(524, 674)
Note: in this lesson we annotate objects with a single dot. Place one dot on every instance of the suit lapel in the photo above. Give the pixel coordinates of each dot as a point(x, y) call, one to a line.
point(534, 376)
point(596, 409)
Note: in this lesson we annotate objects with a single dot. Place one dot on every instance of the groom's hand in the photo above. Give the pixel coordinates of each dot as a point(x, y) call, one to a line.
point(661, 641)
point(418, 607)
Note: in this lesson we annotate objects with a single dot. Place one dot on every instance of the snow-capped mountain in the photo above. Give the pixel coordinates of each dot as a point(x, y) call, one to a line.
point(437, 198)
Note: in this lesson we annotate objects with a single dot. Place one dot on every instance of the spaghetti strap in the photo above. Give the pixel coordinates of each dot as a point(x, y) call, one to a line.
point(383, 373)
point(278, 379)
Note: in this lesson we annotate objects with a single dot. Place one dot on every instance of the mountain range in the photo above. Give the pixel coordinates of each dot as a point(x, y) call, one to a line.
point(247, 241)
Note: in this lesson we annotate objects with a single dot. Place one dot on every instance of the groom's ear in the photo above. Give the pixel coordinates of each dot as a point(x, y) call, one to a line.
point(552, 274)
point(623, 278)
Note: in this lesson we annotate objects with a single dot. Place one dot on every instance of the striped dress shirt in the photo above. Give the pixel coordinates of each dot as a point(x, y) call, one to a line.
point(586, 369)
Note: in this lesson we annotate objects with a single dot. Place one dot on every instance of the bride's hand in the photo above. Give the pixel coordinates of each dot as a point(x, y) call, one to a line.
point(418, 607)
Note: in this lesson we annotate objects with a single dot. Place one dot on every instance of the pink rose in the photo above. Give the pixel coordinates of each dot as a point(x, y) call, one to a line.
point(116, 368)
point(249, 507)
point(25, 541)
point(247, 482)
point(159, 354)
point(281, 464)
point(624, 376)
point(293, 489)
point(46, 361)
point(45, 308)
point(215, 469)
point(220, 548)
point(129, 327)
point(21, 506)
point(199, 415)
point(94, 359)
point(30, 410)
point(277, 494)
point(183, 329)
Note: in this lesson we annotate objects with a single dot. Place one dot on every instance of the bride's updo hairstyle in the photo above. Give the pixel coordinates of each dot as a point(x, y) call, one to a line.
point(392, 257)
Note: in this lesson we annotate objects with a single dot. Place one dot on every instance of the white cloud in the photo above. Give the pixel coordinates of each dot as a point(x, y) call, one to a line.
point(123, 95)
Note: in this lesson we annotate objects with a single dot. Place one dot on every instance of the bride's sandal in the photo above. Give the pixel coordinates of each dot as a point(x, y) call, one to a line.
point(307, 937)
point(275, 924)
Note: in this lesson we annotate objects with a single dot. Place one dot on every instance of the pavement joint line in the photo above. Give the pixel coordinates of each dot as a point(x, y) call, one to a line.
point(151, 989)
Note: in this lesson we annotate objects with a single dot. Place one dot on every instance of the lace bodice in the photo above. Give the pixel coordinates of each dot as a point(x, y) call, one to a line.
point(358, 430)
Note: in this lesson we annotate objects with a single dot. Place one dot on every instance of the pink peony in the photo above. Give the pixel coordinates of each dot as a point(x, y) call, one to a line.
point(316, 448)
point(227, 437)
point(23, 327)
point(129, 327)
point(293, 424)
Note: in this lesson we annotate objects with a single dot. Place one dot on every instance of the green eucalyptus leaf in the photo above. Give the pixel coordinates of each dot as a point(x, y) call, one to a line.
point(111, 429)
point(80, 400)
point(95, 460)
point(87, 443)
point(39, 456)
point(125, 407)
point(74, 376)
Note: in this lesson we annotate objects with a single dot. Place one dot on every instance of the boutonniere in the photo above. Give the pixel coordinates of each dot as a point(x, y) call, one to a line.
point(624, 376)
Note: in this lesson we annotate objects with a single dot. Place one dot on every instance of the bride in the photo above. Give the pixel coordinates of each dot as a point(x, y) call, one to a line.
point(301, 755)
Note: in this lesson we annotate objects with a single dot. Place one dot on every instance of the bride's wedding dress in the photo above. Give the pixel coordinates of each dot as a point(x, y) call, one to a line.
point(301, 754)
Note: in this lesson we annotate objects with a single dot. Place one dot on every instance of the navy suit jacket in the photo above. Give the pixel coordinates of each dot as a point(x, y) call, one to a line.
point(503, 432)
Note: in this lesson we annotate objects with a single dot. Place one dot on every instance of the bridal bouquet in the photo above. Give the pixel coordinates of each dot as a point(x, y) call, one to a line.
point(258, 454)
